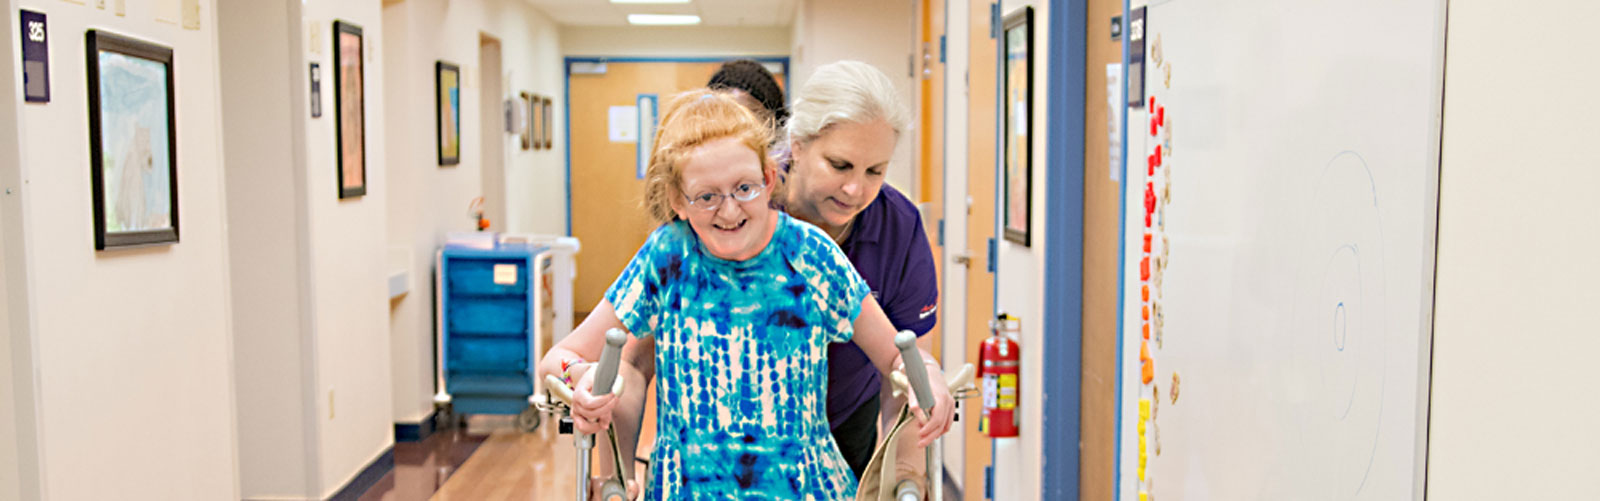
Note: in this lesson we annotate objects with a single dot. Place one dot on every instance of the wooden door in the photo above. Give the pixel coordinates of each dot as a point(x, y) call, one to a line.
point(981, 85)
point(1101, 261)
point(930, 144)
point(607, 216)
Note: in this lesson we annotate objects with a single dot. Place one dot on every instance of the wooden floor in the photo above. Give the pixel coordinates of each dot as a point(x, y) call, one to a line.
point(510, 464)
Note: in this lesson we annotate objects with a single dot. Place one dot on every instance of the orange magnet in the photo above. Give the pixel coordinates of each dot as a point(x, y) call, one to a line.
point(1149, 371)
point(1144, 351)
point(1144, 293)
point(1145, 312)
point(1144, 269)
point(1147, 243)
point(1147, 330)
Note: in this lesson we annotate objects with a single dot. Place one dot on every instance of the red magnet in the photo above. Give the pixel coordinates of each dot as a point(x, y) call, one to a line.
point(1158, 159)
point(1149, 198)
point(1152, 102)
point(1152, 126)
point(1146, 243)
point(1150, 164)
point(1161, 115)
point(1144, 269)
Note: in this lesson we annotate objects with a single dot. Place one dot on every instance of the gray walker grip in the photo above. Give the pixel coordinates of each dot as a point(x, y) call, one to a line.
point(916, 372)
point(610, 356)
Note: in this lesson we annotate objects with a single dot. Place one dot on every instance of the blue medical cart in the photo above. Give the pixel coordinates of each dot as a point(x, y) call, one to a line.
point(487, 294)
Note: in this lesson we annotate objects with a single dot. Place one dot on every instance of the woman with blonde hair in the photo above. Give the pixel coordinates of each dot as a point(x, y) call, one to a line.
point(742, 302)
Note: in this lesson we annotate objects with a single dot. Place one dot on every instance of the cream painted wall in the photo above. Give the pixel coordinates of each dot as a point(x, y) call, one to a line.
point(1020, 291)
point(1515, 228)
point(430, 201)
point(347, 241)
point(263, 98)
point(18, 368)
point(879, 33)
point(141, 335)
point(674, 41)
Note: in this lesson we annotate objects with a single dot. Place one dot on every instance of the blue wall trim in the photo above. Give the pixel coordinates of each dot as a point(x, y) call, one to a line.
point(566, 92)
point(1063, 271)
point(368, 477)
point(416, 432)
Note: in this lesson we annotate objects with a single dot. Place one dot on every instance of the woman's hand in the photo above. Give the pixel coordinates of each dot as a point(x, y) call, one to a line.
point(590, 413)
point(934, 422)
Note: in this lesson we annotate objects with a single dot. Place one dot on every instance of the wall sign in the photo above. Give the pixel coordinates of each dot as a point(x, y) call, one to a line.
point(35, 58)
point(316, 90)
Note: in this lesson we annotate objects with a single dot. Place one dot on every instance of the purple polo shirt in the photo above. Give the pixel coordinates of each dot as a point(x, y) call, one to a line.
point(889, 248)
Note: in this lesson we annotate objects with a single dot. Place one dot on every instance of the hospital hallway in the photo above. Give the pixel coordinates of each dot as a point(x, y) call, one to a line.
point(873, 250)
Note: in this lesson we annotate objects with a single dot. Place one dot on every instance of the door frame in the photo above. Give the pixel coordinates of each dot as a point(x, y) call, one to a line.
point(1067, 42)
point(566, 97)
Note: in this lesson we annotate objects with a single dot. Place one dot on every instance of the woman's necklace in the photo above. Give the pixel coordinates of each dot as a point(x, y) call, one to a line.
point(843, 233)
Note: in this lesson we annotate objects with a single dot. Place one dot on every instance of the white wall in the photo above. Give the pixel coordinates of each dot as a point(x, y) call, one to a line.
point(16, 447)
point(1020, 276)
point(879, 33)
point(262, 100)
point(674, 41)
point(1516, 226)
point(429, 200)
point(132, 346)
point(347, 240)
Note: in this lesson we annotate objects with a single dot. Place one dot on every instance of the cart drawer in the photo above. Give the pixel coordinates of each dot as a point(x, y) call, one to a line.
point(476, 276)
point(488, 354)
point(485, 315)
point(461, 383)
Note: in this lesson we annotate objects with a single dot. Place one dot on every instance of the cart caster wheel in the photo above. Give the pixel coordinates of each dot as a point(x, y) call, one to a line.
point(528, 420)
point(445, 418)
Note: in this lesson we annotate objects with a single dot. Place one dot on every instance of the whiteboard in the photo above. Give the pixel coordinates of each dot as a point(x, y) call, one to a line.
point(1293, 230)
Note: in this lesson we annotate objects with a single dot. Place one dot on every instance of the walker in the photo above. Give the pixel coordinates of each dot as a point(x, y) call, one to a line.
point(881, 482)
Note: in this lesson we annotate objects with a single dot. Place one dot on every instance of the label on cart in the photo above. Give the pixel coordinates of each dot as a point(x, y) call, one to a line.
point(505, 274)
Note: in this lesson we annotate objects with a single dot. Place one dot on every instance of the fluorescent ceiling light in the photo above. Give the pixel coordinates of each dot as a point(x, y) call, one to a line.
point(649, 1)
point(662, 19)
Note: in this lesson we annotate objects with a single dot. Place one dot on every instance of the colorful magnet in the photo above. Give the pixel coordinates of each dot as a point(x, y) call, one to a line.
point(1158, 157)
point(1147, 242)
point(1161, 116)
point(1144, 351)
point(1144, 269)
point(1146, 329)
point(1144, 293)
point(1148, 371)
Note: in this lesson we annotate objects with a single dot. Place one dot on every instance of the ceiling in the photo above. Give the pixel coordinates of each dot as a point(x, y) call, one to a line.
point(765, 13)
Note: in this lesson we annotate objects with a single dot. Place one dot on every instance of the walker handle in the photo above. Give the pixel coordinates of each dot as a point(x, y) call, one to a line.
point(610, 356)
point(915, 371)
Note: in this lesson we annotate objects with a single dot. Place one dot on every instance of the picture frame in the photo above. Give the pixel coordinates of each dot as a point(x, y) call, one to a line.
point(525, 103)
point(133, 141)
point(1016, 120)
point(549, 125)
point(447, 80)
point(536, 122)
point(350, 108)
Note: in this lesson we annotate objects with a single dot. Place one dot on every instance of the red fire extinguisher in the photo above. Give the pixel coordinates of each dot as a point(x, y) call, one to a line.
point(999, 367)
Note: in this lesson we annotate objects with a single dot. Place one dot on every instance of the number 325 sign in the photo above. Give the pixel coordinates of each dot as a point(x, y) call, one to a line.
point(35, 58)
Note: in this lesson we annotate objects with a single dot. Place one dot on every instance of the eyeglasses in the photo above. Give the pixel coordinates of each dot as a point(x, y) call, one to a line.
point(711, 200)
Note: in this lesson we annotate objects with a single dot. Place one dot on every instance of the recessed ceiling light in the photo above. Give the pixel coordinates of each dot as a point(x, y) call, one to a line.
point(662, 19)
point(649, 1)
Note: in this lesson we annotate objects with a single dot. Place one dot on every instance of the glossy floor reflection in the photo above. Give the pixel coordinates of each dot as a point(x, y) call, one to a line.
point(420, 468)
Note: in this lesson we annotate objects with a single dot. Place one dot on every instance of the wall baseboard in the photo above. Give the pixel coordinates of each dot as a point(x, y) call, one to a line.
point(416, 432)
point(368, 477)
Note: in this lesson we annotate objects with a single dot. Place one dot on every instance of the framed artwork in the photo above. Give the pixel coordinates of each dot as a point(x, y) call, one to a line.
point(526, 104)
point(349, 108)
point(448, 78)
point(1016, 119)
point(133, 143)
point(536, 122)
point(548, 125)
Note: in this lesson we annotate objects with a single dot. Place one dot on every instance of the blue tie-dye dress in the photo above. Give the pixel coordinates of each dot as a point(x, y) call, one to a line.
point(741, 362)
